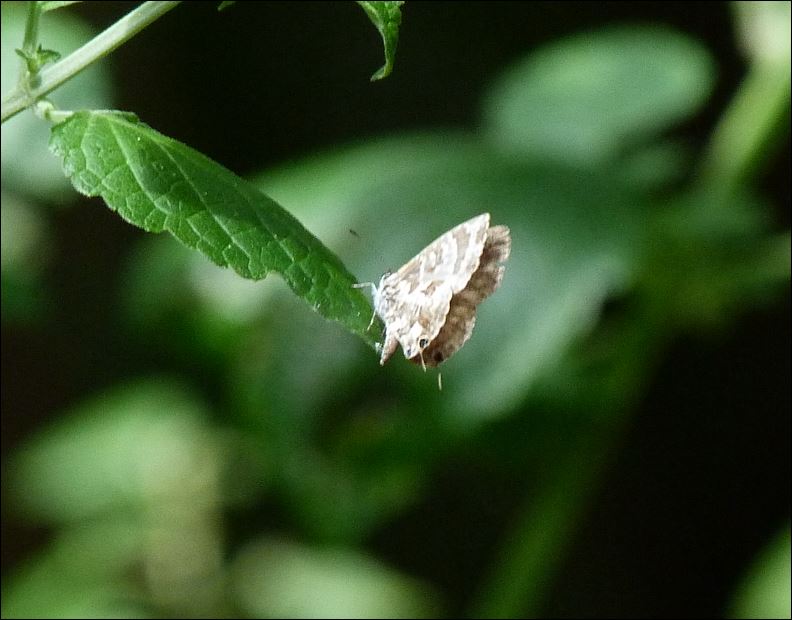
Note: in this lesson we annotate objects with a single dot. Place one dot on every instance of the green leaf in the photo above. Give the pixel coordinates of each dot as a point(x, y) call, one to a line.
point(38, 59)
point(278, 579)
point(80, 574)
point(589, 98)
point(764, 592)
point(224, 5)
point(575, 239)
point(386, 16)
point(95, 458)
point(159, 184)
point(46, 56)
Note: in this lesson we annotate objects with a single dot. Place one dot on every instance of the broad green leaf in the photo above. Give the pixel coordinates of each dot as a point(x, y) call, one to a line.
point(386, 16)
point(80, 574)
point(575, 240)
point(277, 579)
point(590, 98)
point(121, 450)
point(159, 184)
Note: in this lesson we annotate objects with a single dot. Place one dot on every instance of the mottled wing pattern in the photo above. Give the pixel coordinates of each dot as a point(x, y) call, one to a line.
point(461, 315)
point(414, 301)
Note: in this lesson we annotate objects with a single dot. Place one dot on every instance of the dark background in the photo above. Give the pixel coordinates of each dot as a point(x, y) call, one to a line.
point(679, 515)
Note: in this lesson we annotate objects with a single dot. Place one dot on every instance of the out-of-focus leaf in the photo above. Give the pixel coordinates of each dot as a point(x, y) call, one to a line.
point(79, 575)
point(712, 255)
point(764, 30)
point(386, 16)
point(765, 591)
point(206, 313)
point(25, 250)
point(159, 184)
point(120, 451)
point(28, 168)
point(574, 242)
point(654, 166)
point(276, 579)
point(590, 98)
point(157, 283)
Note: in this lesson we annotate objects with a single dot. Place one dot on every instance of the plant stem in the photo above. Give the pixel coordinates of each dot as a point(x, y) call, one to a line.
point(751, 125)
point(518, 583)
point(53, 76)
point(29, 45)
point(758, 116)
point(31, 28)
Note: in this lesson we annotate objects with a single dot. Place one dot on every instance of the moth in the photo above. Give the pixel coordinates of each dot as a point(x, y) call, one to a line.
point(429, 305)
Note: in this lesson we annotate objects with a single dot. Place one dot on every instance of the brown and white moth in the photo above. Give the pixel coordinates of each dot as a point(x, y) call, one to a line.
point(429, 305)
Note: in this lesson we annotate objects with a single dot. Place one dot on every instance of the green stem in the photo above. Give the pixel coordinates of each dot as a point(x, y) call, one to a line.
point(533, 550)
point(757, 117)
point(31, 27)
point(53, 76)
point(532, 553)
point(753, 121)
point(29, 44)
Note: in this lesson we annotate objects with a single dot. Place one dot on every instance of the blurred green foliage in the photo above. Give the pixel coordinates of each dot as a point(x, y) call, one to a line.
point(138, 484)
point(765, 591)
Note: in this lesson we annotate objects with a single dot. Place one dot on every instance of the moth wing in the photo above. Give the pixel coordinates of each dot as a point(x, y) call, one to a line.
point(451, 258)
point(413, 316)
point(461, 316)
point(414, 301)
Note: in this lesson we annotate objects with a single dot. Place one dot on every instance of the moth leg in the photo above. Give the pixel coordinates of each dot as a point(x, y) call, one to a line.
point(364, 285)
